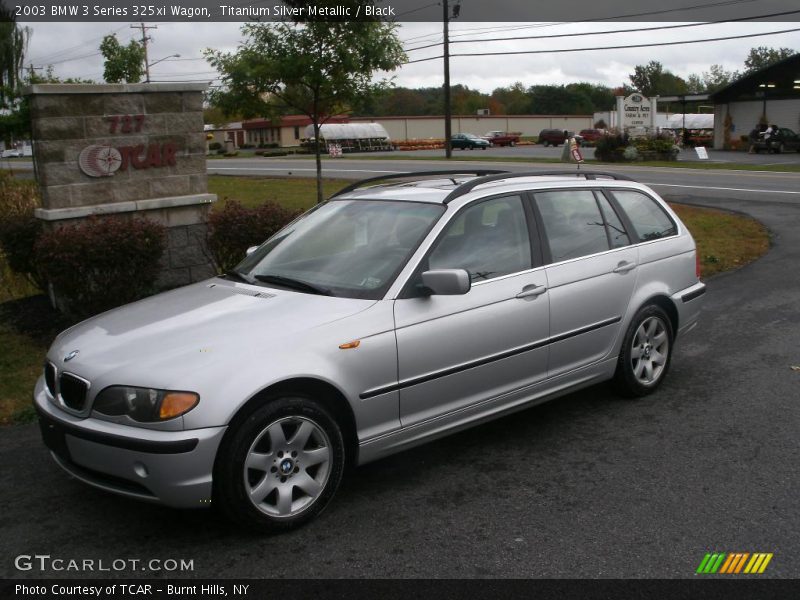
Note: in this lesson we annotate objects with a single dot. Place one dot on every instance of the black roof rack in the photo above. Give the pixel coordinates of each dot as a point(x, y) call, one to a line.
point(419, 175)
point(468, 186)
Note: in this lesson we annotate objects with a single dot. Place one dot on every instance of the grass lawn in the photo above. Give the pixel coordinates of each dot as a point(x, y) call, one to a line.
point(27, 324)
point(291, 192)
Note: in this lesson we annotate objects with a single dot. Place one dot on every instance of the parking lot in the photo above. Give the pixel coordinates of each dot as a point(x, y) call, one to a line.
point(586, 486)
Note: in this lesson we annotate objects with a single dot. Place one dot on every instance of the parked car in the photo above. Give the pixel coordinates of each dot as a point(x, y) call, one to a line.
point(591, 136)
point(502, 138)
point(556, 137)
point(386, 317)
point(785, 140)
point(468, 141)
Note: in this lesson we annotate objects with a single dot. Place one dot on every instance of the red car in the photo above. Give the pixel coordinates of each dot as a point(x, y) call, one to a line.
point(591, 136)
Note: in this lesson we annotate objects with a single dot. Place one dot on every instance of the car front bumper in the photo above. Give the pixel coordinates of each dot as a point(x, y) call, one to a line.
point(168, 467)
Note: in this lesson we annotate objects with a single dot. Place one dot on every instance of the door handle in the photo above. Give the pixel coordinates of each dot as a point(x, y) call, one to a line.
point(624, 266)
point(531, 291)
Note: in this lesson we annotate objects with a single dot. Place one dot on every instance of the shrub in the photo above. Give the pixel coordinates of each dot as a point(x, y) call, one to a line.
point(631, 153)
point(232, 230)
point(18, 236)
point(214, 146)
point(611, 148)
point(101, 263)
point(18, 232)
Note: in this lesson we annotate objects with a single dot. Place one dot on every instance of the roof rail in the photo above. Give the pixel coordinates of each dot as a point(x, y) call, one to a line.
point(470, 185)
point(419, 174)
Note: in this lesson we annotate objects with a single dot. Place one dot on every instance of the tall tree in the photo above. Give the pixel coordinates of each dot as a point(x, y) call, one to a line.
point(13, 45)
point(122, 63)
point(761, 57)
point(317, 68)
point(653, 80)
point(717, 77)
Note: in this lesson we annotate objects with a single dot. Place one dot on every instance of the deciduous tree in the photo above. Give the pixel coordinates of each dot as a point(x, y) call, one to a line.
point(762, 56)
point(317, 68)
point(122, 63)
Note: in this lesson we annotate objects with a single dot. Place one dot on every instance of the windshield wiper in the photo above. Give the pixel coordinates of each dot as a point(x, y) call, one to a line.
point(296, 284)
point(233, 274)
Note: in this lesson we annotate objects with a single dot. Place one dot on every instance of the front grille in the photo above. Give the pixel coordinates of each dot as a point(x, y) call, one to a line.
point(73, 391)
point(50, 378)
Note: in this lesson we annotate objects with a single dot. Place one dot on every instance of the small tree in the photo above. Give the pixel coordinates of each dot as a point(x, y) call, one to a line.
point(122, 63)
point(317, 68)
point(761, 57)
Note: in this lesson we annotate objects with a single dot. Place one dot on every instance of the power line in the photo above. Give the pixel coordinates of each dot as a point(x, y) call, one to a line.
point(640, 29)
point(718, 39)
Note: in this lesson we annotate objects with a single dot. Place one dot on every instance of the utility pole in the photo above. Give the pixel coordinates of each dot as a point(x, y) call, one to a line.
point(448, 148)
point(32, 69)
point(145, 38)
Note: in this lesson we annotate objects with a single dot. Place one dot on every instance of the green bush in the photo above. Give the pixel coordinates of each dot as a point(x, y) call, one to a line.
point(101, 263)
point(18, 235)
point(611, 148)
point(18, 232)
point(214, 146)
point(232, 230)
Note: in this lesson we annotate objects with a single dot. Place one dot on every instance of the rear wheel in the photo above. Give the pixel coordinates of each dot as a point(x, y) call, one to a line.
point(281, 466)
point(512, 143)
point(646, 352)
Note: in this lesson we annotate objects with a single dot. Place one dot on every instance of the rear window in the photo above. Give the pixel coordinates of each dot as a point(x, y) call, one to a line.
point(649, 220)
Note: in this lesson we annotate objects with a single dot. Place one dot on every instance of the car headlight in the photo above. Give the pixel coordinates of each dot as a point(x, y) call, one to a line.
point(144, 404)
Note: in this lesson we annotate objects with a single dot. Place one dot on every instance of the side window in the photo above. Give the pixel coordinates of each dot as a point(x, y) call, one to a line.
point(617, 235)
point(648, 218)
point(488, 240)
point(572, 222)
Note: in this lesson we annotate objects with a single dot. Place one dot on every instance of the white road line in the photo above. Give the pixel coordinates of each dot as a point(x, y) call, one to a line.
point(723, 189)
point(291, 169)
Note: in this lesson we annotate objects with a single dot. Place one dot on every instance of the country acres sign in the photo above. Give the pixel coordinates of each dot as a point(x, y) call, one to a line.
point(637, 111)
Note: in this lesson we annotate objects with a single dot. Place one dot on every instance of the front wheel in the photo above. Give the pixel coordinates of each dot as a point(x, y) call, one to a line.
point(646, 352)
point(281, 466)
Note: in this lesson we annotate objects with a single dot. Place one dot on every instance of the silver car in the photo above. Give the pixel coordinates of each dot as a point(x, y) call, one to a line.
point(396, 312)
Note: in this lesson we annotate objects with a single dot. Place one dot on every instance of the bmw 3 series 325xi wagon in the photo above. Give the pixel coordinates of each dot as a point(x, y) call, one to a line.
point(400, 310)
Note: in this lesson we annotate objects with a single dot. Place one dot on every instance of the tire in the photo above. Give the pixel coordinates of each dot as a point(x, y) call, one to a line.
point(280, 466)
point(546, 143)
point(646, 353)
point(780, 149)
point(512, 144)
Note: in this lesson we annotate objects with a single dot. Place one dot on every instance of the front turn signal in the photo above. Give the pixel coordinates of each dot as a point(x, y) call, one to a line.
point(175, 404)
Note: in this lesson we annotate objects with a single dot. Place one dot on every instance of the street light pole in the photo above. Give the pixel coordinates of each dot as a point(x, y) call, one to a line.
point(448, 149)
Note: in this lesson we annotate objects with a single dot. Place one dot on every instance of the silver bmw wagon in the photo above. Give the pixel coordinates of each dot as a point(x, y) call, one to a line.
point(400, 310)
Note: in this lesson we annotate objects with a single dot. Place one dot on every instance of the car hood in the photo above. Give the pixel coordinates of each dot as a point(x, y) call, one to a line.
point(188, 328)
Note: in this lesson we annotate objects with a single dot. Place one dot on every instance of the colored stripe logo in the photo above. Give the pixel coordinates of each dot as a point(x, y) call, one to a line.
point(734, 563)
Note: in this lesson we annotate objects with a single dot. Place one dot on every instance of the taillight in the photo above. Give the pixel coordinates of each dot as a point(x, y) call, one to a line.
point(697, 268)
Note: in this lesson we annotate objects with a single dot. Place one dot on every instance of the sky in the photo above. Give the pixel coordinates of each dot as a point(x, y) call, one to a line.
point(72, 50)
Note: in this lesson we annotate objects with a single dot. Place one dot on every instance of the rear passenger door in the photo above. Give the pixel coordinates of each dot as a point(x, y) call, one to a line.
point(591, 274)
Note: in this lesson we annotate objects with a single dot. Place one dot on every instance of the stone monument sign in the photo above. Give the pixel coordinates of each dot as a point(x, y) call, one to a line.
point(127, 149)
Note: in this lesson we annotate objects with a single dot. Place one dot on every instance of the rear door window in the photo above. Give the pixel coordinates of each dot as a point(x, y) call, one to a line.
point(572, 222)
point(649, 220)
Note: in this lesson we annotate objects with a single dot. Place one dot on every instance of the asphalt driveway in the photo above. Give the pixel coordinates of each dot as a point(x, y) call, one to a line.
point(586, 486)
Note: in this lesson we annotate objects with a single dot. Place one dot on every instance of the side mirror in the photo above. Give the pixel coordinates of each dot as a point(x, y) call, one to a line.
point(250, 250)
point(447, 282)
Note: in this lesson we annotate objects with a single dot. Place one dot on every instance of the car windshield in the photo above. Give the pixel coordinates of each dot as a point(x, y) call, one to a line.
point(349, 248)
